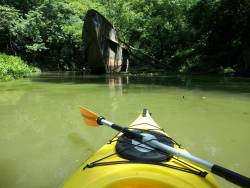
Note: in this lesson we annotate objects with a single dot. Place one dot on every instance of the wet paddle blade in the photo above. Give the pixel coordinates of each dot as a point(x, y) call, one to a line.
point(89, 116)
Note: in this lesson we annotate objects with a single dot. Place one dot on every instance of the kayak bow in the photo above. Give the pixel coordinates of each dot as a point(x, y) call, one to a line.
point(126, 162)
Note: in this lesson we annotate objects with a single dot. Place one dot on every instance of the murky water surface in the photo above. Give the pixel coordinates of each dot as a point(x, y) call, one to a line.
point(43, 138)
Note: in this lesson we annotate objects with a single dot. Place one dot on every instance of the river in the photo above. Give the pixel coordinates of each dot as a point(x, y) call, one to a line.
point(43, 138)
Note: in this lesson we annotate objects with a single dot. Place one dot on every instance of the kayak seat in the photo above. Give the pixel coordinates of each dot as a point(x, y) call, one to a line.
point(133, 150)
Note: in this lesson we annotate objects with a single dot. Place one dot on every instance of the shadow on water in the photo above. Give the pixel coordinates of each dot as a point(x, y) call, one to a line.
point(76, 139)
point(207, 83)
point(8, 175)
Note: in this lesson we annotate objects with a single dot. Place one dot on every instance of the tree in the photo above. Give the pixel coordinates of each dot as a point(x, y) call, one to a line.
point(222, 32)
point(158, 27)
point(10, 17)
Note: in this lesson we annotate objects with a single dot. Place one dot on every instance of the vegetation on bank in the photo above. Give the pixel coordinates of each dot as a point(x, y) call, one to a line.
point(12, 67)
point(188, 36)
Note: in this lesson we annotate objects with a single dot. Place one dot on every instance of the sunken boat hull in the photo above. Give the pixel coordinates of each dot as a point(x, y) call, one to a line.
point(103, 51)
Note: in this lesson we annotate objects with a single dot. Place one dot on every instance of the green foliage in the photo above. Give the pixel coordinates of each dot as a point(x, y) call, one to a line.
point(187, 35)
point(30, 29)
point(22, 5)
point(157, 27)
point(10, 17)
point(217, 30)
point(221, 30)
point(12, 67)
point(50, 28)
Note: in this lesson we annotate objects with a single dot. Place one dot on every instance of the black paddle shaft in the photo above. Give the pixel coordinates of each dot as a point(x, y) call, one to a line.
point(125, 131)
point(128, 133)
point(231, 176)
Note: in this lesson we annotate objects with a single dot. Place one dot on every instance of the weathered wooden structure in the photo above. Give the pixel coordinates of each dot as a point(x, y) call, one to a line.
point(103, 51)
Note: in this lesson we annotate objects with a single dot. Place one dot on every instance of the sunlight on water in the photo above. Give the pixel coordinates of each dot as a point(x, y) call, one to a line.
point(43, 138)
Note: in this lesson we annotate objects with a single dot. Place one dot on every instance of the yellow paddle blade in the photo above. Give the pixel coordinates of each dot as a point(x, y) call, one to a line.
point(89, 116)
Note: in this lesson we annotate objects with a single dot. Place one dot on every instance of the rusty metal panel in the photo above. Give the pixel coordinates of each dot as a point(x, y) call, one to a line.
point(103, 50)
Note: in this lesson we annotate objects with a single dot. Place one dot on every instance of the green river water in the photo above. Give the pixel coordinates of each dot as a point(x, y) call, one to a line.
point(43, 138)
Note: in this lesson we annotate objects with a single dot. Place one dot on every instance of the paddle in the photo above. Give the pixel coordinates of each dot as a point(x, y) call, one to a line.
point(93, 119)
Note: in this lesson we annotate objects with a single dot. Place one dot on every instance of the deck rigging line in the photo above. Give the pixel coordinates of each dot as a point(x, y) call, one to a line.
point(189, 168)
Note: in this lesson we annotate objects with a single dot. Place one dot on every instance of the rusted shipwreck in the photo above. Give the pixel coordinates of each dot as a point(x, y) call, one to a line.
point(103, 51)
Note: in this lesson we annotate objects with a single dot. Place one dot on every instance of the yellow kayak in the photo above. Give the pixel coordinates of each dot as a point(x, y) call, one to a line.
point(126, 163)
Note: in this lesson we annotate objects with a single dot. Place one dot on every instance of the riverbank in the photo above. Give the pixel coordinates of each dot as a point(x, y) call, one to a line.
point(13, 67)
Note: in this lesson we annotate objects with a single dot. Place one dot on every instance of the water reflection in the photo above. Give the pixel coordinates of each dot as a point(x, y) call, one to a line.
point(115, 84)
point(207, 83)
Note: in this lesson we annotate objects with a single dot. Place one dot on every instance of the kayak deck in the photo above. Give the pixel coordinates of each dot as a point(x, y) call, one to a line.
point(107, 169)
